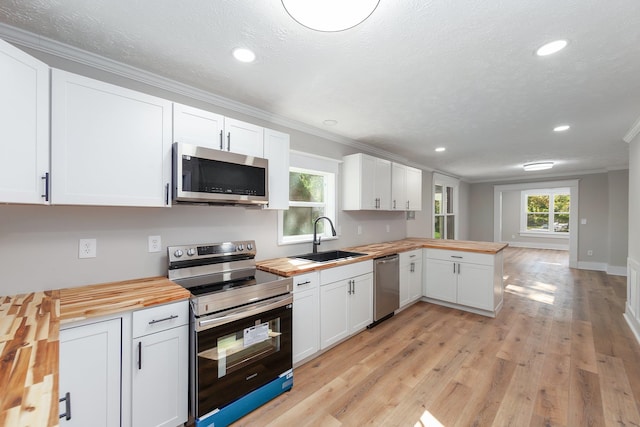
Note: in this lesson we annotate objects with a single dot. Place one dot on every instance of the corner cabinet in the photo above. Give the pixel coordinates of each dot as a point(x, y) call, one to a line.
point(346, 301)
point(90, 372)
point(24, 134)
point(366, 183)
point(109, 145)
point(410, 277)
point(465, 280)
point(159, 375)
point(306, 315)
point(406, 188)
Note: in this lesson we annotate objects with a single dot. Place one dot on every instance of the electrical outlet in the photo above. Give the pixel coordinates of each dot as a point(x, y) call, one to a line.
point(388, 228)
point(87, 248)
point(155, 244)
point(589, 252)
point(359, 229)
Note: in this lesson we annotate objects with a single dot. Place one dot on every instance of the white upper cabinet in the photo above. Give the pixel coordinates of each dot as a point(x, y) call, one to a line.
point(109, 145)
point(206, 129)
point(197, 127)
point(406, 188)
point(24, 134)
point(243, 138)
point(366, 183)
point(276, 150)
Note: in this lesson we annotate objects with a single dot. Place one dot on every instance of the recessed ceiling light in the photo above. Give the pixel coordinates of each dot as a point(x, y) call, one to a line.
point(330, 122)
point(244, 55)
point(440, 149)
point(561, 128)
point(330, 15)
point(537, 166)
point(551, 48)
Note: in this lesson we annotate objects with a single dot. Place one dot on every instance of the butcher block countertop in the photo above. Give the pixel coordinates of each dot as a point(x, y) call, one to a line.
point(29, 339)
point(293, 266)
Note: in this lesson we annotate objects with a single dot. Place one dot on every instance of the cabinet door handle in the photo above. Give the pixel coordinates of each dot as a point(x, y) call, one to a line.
point(303, 283)
point(408, 204)
point(166, 194)
point(454, 268)
point(67, 406)
point(229, 141)
point(413, 267)
point(139, 355)
point(173, 316)
point(221, 143)
point(394, 204)
point(46, 186)
point(458, 268)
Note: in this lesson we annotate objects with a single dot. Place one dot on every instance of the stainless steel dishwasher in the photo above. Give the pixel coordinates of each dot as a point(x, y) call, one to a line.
point(386, 285)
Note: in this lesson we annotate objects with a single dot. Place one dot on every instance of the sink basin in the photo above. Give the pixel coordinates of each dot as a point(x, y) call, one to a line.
point(329, 256)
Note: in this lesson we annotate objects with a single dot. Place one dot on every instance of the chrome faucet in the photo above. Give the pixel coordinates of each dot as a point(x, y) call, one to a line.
point(316, 238)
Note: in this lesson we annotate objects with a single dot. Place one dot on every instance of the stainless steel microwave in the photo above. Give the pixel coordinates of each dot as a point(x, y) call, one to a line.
point(206, 175)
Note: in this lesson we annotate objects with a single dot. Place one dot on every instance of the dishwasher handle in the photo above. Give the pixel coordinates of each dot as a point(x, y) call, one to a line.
point(388, 258)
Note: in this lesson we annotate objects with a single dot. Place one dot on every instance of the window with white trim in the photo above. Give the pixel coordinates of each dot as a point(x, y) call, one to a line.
point(445, 207)
point(312, 194)
point(545, 211)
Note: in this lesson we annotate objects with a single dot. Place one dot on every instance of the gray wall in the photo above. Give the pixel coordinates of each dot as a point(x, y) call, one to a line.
point(600, 194)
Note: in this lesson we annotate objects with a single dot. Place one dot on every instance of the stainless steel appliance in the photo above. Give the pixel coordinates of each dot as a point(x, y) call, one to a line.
point(386, 285)
point(205, 175)
point(241, 331)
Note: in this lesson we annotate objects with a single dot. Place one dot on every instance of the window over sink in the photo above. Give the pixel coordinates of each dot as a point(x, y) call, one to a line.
point(312, 193)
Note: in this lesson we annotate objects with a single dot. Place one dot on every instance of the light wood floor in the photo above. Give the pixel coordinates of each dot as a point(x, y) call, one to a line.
point(558, 354)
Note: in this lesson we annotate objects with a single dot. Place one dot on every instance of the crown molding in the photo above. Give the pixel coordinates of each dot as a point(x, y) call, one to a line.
point(71, 53)
point(633, 132)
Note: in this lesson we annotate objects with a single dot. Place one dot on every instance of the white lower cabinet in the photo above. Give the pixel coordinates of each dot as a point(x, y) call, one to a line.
point(346, 301)
point(466, 280)
point(160, 361)
point(306, 316)
point(410, 276)
point(90, 373)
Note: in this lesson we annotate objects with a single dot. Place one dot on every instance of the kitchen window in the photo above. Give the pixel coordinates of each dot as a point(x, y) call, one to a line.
point(445, 207)
point(545, 211)
point(312, 193)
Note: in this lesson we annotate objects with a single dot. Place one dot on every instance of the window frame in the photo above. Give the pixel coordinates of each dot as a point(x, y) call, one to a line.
point(317, 165)
point(549, 232)
point(445, 181)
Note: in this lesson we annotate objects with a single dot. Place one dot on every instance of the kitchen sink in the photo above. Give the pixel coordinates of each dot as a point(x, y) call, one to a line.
point(329, 256)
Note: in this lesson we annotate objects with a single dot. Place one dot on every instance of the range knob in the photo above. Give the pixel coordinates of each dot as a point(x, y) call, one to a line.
point(249, 246)
point(240, 247)
point(191, 251)
point(178, 253)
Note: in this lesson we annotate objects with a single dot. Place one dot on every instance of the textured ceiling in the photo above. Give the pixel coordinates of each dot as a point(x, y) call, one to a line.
point(416, 75)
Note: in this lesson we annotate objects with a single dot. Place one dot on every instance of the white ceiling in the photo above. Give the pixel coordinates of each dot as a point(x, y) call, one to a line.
point(416, 75)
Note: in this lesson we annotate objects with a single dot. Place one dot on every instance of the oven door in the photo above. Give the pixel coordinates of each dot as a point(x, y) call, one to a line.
point(238, 351)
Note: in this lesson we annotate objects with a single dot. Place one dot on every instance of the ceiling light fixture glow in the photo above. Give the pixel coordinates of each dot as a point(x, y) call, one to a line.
point(330, 15)
point(244, 55)
point(537, 166)
point(551, 48)
point(440, 149)
point(561, 128)
point(330, 122)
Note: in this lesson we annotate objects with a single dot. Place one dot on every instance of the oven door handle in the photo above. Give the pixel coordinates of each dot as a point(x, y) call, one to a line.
point(251, 310)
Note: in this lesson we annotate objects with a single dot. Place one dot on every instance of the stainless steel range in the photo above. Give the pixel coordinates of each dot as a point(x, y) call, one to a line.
point(241, 355)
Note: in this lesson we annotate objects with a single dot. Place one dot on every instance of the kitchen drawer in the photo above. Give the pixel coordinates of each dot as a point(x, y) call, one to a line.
point(460, 256)
point(334, 274)
point(160, 318)
point(410, 256)
point(306, 281)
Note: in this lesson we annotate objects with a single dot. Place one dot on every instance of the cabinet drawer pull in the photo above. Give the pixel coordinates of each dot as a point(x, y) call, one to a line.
point(67, 406)
point(153, 322)
point(456, 256)
point(303, 283)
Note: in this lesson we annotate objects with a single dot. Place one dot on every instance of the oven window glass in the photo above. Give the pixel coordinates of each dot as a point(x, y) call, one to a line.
point(236, 358)
point(245, 346)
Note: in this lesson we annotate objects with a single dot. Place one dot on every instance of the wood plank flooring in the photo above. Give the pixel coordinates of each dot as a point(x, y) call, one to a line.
point(558, 354)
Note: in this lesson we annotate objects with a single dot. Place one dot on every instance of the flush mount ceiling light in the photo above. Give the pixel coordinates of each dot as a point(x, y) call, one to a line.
point(244, 55)
point(551, 48)
point(330, 15)
point(330, 122)
point(440, 149)
point(561, 128)
point(537, 166)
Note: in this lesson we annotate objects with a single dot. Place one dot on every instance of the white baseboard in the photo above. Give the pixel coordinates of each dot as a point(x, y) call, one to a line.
point(616, 270)
point(533, 245)
point(633, 325)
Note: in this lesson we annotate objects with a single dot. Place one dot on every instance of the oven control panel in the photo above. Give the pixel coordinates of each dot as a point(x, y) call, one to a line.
point(242, 248)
